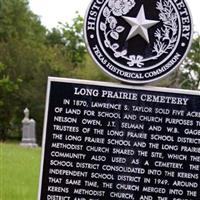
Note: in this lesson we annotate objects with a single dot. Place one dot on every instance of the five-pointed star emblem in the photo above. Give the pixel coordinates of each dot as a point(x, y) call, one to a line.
point(140, 25)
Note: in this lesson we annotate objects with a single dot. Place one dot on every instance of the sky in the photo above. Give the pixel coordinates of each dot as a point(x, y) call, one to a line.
point(53, 11)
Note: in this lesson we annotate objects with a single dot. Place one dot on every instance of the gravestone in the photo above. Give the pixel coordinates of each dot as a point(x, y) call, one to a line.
point(28, 130)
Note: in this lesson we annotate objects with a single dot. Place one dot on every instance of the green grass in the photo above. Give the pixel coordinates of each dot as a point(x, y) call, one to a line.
point(19, 172)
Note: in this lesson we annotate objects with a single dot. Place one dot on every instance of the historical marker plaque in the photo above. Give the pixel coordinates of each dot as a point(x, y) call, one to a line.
point(107, 141)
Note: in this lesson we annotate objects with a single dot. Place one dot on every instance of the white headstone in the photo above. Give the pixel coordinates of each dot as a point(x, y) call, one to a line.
point(28, 130)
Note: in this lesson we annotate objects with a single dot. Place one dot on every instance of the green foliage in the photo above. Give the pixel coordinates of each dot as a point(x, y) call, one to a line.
point(55, 38)
point(23, 58)
point(29, 54)
point(8, 89)
point(90, 71)
point(17, 21)
point(69, 38)
point(190, 78)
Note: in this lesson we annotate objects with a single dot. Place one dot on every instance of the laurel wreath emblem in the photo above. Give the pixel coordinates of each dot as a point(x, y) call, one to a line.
point(166, 36)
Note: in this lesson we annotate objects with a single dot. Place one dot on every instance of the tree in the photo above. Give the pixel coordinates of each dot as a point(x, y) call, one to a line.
point(22, 39)
point(69, 38)
point(17, 21)
point(28, 56)
point(8, 89)
point(190, 77)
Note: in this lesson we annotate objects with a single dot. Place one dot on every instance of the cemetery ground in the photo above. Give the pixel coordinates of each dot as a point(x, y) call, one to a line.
point(19, 172)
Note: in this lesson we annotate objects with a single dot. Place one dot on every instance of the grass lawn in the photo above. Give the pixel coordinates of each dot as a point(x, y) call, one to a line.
point(19, 172)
